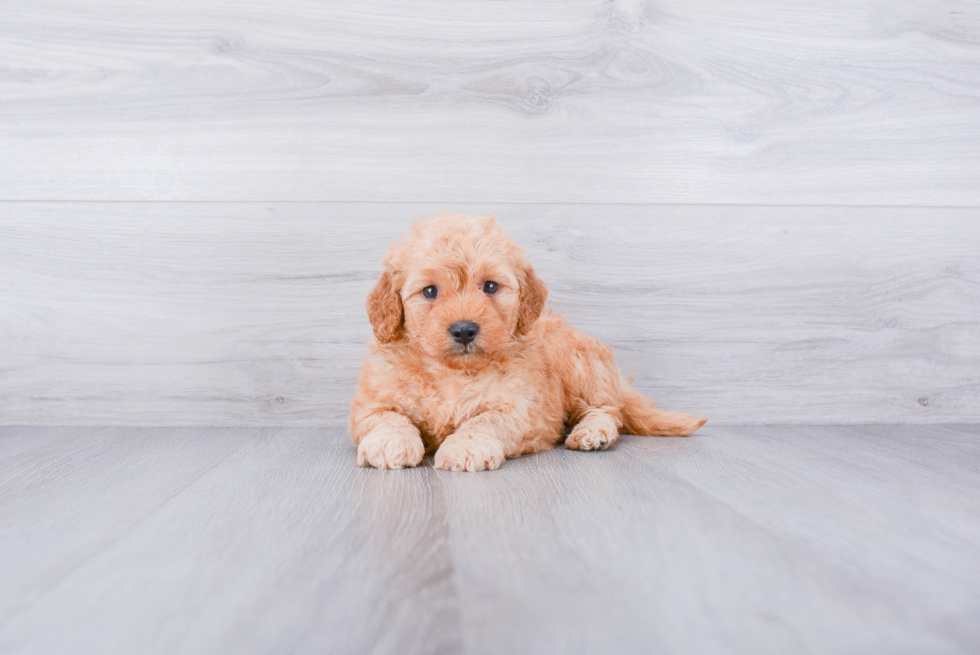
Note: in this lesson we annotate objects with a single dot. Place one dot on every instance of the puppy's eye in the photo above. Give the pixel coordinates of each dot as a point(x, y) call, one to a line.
point(430, 292)
point(490, 287)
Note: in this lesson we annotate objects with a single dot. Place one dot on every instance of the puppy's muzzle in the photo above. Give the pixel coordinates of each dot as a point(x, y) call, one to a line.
point(464, 332)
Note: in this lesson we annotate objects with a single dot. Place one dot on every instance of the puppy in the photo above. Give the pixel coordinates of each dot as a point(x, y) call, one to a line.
point(465, 363)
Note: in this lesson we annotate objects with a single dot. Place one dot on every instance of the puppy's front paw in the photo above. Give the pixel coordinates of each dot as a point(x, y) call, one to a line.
point(595, 432)
point(470, 454)
point(390, 449)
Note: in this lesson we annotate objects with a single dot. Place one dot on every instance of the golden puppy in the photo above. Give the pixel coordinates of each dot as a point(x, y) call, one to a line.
point(464, 362)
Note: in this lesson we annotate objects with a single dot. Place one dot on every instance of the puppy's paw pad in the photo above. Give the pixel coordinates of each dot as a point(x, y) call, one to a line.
point(387, 450)
point(470, 455)
point(591, 437)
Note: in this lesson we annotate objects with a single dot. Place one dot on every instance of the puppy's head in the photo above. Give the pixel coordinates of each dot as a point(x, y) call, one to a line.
point(458, 289)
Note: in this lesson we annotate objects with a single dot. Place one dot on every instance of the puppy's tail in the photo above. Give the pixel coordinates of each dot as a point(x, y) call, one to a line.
point(642, 418)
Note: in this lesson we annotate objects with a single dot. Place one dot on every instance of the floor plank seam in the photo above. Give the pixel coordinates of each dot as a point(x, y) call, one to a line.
point(434, 478)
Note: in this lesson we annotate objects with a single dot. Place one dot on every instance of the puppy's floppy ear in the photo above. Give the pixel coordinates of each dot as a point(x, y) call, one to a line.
point(384, 308)
point(533, 294)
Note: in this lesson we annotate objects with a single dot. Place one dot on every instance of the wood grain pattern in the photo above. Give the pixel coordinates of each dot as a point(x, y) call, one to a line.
point(769, 102)
point(74, 493)
point(243, 314)
point(750, 539)
point(283, 547)
point(815, 539)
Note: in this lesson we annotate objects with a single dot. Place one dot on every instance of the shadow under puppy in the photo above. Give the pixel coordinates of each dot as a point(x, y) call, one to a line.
point(466, 363)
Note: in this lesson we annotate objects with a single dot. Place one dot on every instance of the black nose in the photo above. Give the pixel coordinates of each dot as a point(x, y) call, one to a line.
point(464, 331)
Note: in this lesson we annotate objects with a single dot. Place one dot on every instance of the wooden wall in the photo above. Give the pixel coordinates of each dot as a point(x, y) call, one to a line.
point(771, 211)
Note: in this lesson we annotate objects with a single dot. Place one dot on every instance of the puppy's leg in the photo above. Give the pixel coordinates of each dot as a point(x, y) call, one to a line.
point(388, 440)
point(596, 430)
point(481, 443)
point(595, 386)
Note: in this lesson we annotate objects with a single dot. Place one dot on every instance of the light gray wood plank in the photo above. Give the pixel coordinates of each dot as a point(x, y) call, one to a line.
point(760, 539)
point(775, 102)
point(15, 440)
point(77, 491)
point(285, 546)
point(243, 314)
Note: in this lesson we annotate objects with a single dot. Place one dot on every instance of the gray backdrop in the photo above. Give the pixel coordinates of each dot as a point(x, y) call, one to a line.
point(768, 225)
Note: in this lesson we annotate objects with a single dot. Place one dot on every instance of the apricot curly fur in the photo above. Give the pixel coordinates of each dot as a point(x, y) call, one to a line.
point(526, 379)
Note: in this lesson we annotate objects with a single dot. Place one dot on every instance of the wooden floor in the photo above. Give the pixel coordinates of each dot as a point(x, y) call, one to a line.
point(759, 539)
